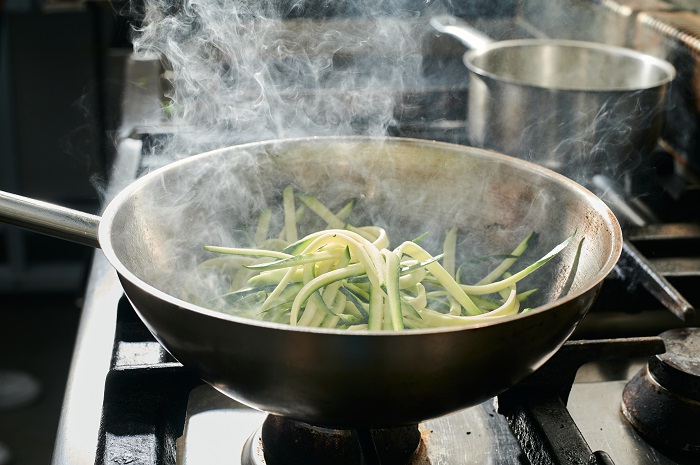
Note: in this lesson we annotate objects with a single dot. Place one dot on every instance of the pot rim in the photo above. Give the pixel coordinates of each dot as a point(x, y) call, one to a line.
point(115, 205)
point(662, 65)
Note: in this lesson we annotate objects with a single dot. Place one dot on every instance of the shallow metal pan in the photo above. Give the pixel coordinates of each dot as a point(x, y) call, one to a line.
point(153, 232)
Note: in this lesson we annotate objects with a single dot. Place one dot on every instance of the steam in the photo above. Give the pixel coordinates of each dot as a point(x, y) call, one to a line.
point(238, 73)
point(249, 71)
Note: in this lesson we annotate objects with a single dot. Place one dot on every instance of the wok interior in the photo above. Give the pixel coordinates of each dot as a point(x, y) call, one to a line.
point(409, 187)
point(570, 65)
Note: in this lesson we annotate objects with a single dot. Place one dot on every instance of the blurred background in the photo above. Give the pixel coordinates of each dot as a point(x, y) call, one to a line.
point(57, 114)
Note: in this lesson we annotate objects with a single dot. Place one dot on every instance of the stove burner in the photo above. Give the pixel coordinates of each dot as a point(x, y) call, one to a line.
point(281, 440)
point(662, 401)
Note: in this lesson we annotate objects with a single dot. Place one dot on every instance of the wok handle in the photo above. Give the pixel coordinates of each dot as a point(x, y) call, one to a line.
point(460, 30)
point(49, 219)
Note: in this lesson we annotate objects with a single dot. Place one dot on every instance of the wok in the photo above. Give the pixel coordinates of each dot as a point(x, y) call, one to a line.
point(153, 232)
point(579, 108)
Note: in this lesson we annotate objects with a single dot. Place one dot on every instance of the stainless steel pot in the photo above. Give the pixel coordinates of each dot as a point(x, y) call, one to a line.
point(579, 108)
point(153, 232)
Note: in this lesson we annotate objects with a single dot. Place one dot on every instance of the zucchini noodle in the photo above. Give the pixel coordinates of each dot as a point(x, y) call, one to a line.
point(348, 277)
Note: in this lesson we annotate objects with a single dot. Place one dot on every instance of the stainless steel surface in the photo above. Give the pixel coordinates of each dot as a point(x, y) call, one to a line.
point(606, 431)
point(675, 35)
point(662, 401)
point(596, 409)
point(470, 37)
point(217, 428)
point(633, 262)
point(579, 108)
point(630, 211)
point(148, 234)
point(241, 357)
point(81, 414)
point(47, 218)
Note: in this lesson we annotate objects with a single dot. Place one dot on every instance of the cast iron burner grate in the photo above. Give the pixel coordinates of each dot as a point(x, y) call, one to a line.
point(147, 392)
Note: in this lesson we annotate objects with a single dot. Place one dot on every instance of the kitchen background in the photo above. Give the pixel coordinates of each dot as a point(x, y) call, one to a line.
point(58, 112)
point(61, 67)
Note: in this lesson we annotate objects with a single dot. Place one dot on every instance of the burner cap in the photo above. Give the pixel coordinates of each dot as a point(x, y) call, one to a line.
point(290, 442)
point(662, 401)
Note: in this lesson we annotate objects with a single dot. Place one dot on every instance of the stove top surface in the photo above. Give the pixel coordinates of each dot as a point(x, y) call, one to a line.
point(217, 429)
point(129, 401)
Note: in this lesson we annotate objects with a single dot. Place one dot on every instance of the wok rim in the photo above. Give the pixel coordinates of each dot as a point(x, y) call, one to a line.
point(109, 213)
point(661, 64)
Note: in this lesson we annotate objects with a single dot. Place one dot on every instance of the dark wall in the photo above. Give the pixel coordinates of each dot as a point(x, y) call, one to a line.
point(56, 118)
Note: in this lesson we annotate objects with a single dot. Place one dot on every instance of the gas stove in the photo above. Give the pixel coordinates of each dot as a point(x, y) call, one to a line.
point(129, 401)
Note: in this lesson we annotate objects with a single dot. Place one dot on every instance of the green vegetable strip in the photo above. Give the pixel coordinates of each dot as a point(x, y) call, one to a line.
point(337, 308)
point(507, 263)
point(360, 249)
point(263, 229)
point(377, 236)
point(498, 285)
point(357, 327)
point(386, 318)
point(441, 301)
point(273, 244)
point(574, 267)
point(288, 294)
point(316, 283)
point(278, 290)
point(330, 322)
point(297, 260)
point(344, 260)
point(315, 272)
point(376, 309)
point(449, 248)
point(413, 323)
point(407, 309)
point(290, 217)
point(344, 212)
point(510, 306)
point(346, 276)
point(330, 293)
point(411, 279)
point(323, 266)
point(392, 289)
point(298, 246)
point(437, 319)
point(310, 312)
point(311, 306)
point(318, 319)
point(243, 293)
point(353, 305)
point(297, 214)
point(321, 210)
point(333, 221)
point(525, 294)
point(414, 250)
point(455, 307)
point(228, 263)
point(408, 266)
point(273, 277)
point(420, 300)
point(316, 304)
point(357, 290)
point(247, 252)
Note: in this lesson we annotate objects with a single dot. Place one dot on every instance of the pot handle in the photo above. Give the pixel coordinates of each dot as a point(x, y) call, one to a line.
point(460, 30)
point(49, 219)
point(632, 259)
